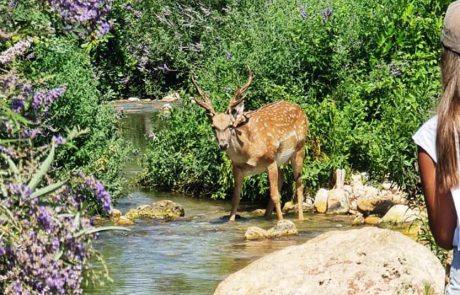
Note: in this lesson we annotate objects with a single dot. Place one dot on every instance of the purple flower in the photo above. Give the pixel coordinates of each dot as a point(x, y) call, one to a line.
point(2, 250)
point(17, 104)
point(32, 133)
point(57, 140)
point(326, 14)
point(20, 190)
point(89, 15)
point(17, 288)
point(55, 244)
point(7, 151)
point(16, 50)
point(303, 12)
point(101, 194)
point(44, 99)
point(45, 219)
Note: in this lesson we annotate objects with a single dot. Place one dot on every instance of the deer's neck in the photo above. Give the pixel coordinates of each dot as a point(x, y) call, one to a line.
point(237, 145)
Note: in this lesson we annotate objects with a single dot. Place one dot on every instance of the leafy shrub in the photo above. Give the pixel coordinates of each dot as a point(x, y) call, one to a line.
point(52, 119)
point(46, 231)
point(366, 73)
point(60, 59)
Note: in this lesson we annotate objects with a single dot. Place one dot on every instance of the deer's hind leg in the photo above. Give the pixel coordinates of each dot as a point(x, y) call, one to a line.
point(297, 164)
point(271, 205)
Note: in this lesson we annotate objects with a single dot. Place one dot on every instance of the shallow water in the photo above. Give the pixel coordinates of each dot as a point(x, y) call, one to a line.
point(191, 255)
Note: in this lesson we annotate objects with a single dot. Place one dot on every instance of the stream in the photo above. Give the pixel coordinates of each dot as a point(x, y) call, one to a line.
point(194, 254)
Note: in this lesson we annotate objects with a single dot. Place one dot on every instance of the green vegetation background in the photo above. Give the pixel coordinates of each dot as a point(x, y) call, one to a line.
point(365, 72)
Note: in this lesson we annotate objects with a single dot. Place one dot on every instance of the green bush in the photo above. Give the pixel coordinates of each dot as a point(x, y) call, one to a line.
point(101, 151)
point(60, 58)
point(366, 73)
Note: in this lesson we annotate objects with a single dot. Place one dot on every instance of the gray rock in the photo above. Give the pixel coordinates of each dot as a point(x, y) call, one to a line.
point(361, 261)
point(337, 202)
point(282, 228)
point(255, 233)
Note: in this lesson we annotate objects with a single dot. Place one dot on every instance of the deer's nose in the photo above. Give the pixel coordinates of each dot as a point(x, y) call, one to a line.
point(223, 146)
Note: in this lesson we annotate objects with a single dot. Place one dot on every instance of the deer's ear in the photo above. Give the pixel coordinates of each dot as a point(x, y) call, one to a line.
point(237, 111)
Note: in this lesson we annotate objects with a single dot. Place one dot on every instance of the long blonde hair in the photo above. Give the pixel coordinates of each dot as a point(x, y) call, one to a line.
point(447, 174)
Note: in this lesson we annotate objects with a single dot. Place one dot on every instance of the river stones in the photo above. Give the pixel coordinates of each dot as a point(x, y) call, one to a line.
point(321, 201)
point(360, 261)
point(337, 201)
point(399, 214)
point(282, 228)
point(123, 221)
point(162, 210)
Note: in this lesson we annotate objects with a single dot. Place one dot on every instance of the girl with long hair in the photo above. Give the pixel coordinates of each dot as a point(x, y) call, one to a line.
point(439, 151)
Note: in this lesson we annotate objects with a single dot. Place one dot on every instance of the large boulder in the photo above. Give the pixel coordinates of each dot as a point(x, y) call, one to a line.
point(361, 261)
point(162, 210)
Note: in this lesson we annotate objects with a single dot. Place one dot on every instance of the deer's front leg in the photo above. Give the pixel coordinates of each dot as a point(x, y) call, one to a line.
point(274, 191)
point(238, 178)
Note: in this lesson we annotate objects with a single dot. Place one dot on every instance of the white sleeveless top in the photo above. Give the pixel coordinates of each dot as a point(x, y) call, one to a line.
point(425, 137)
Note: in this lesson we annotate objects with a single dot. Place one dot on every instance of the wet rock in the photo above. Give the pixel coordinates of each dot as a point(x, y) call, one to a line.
point(374, 205)
point(258, 212)
point(281, 229)
point(162, 210)
point(361, 261)
point(358, 220)
point(321, 201)
point(123, 221)
point(372, 220)
point(115, 213)
point(337, 202)
point(98, 220)
point(133, 99)
point(399, 214)
point(290, 206)
point(173, 97)
point(255, 233)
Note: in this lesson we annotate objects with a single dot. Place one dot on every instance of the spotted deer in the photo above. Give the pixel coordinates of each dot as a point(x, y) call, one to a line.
point(258, 141)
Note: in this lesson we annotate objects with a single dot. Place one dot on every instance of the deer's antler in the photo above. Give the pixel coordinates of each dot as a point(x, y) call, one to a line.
point(204, 102)
point(239, 96)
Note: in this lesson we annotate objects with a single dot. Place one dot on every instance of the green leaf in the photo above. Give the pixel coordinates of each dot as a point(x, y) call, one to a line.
point(48, 189)
point(93, 230)
point(43, 169)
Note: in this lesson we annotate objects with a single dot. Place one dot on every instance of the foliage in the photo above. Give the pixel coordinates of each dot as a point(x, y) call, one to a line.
point(60, 59)
point(45, 232)
point(53, 119)
point(366, 73)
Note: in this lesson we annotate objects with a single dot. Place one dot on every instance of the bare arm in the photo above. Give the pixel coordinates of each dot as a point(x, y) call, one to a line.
point(442, 216)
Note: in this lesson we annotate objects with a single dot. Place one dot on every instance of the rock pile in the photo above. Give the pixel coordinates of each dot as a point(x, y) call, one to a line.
point(365, 201)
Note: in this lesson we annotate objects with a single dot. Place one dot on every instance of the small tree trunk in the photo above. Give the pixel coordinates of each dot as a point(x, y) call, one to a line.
point(339, 178)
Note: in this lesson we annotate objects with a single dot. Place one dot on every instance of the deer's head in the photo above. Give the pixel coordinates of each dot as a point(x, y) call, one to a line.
point(224, 124)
